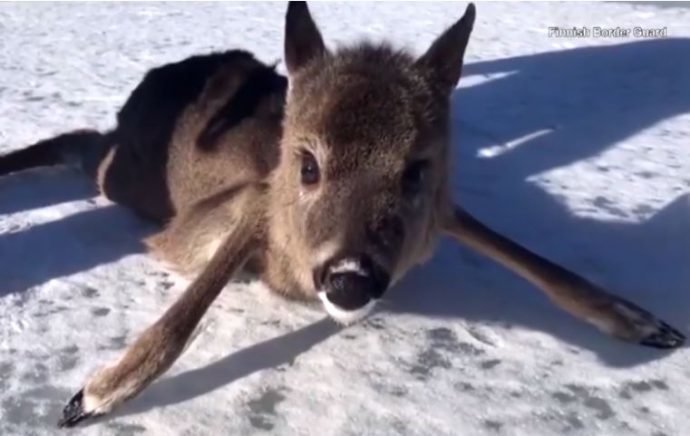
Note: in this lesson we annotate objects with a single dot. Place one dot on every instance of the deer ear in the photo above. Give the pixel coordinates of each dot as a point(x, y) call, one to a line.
point(303, 40)
point(444, 58)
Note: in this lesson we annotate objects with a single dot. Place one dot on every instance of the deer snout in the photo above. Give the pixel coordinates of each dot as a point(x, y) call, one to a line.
point(349, 286)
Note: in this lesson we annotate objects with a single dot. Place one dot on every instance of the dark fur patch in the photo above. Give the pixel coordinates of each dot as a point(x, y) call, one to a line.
point(146, 124)
point(147, 120)
point(261, 83)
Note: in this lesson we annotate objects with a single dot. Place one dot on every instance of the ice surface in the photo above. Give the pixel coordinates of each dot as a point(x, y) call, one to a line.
point(577, 148)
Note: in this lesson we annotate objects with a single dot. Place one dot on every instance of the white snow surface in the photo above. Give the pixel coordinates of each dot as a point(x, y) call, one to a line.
point(577, 148)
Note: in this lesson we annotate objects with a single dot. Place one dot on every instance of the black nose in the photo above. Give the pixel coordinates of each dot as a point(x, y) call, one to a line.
point(350, 282)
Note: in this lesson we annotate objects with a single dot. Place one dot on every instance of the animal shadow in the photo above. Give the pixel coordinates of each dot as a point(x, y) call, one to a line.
point(74, 243)
point(581, 101)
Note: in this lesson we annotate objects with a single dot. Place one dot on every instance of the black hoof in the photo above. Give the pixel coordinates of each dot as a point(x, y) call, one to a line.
point(665, 337)
point(73, 413)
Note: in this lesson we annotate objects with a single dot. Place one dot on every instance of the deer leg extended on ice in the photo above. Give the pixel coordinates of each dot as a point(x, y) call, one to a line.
point(574, 294)
point(157, 348)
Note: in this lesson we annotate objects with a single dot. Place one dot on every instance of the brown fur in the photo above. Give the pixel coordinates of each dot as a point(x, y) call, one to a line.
point(218, 159)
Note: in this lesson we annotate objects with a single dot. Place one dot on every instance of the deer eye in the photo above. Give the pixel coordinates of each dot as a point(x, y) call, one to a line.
point(309, 171)
point(414, 176)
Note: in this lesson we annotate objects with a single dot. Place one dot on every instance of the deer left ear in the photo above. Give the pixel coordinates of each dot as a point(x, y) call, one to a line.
point(445, 56)
point(303, 41)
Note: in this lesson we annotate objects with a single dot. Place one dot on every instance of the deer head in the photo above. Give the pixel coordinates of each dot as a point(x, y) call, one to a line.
point(360, 193)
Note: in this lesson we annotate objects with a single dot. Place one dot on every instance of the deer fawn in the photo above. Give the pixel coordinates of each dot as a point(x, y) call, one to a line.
point(330, 184)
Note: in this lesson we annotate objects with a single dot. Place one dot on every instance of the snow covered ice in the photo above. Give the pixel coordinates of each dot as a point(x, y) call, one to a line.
point(576, 147)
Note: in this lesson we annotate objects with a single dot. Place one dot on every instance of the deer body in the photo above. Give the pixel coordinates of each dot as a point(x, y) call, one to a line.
point(219, 144)
point(329, 184)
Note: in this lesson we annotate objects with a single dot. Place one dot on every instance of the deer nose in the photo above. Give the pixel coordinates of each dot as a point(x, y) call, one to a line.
point(351, 282)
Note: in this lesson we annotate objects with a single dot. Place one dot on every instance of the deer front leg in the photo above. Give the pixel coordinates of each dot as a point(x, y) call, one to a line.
point(574, 294)
point(157, 348)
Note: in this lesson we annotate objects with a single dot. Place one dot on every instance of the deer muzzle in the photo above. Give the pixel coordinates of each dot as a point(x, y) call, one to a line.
point(349, 286)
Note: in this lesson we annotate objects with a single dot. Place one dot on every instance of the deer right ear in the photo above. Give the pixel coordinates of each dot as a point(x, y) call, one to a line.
point(303, 40)
point(445, 56)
